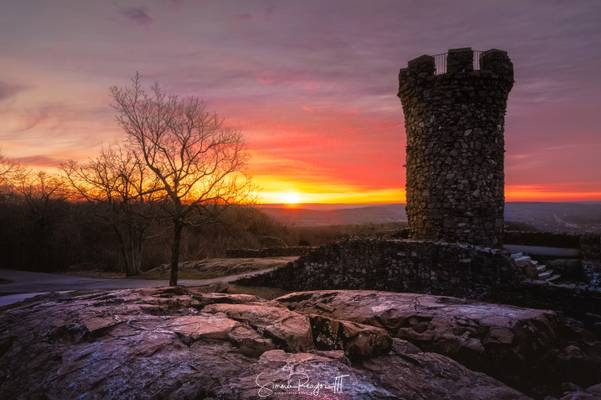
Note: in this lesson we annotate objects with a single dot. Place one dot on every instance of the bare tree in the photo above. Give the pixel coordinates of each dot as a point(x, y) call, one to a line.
point(38, 189)
point(7, 168)
point(124, 188)
point(198, 160)
point(40, 193)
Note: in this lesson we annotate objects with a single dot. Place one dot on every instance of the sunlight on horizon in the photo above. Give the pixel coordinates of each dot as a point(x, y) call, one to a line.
point(291, 198)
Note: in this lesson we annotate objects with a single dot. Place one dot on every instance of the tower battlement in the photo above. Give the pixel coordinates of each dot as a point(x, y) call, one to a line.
point(454, 106)
point(459, 63)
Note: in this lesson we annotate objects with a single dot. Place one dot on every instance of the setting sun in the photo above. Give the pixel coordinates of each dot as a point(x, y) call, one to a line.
point(291, 198)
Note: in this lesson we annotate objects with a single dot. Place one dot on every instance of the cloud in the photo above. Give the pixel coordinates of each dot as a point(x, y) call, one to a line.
point(37, 160)
point(8, 90)
point(244, 16)
point(139, 15)
point(26, 119)
point(175, 3)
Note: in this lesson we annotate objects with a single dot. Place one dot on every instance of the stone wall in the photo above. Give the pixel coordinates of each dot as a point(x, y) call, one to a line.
point(398, 265)
point(590, 247)
point(269, 252)
point(440, 268)
point(455, 146)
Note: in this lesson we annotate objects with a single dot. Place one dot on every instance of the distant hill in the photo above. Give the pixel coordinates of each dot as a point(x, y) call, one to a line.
point(562, 217)
point(317, 215)
point(565, 217)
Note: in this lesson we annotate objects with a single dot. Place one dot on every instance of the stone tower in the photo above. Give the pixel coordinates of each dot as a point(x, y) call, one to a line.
point(454, 106)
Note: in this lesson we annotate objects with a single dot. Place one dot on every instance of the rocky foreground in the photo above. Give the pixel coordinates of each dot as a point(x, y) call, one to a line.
point(175, 343)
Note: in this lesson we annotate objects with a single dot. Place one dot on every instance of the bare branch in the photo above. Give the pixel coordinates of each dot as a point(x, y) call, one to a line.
point(196, 160)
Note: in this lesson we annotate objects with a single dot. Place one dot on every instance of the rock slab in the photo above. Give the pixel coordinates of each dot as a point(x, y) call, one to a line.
point(175, 343)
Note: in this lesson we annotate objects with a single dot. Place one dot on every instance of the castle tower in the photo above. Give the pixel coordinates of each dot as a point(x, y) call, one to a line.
point(454, 106)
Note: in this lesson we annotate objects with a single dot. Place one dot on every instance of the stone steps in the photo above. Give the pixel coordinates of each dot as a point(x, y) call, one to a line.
point(534, 270)
point(523, 261)
point(545, 275)
point(554, 278)
point(517, 255)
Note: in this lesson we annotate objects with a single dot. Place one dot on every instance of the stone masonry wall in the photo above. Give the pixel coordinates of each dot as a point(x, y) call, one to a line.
point(455, 146)
point(590, 247)
point(269, 252)
point(398, 265)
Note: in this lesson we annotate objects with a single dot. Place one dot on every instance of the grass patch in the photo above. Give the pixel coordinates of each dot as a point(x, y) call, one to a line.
point(217, 267)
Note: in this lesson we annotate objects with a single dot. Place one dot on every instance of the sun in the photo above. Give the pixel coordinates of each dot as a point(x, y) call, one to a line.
point(291, 198)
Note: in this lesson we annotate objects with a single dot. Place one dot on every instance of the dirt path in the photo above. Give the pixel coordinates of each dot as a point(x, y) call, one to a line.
point(24, 284)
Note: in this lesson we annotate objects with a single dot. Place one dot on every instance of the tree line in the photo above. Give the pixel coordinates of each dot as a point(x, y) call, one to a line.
point(178, 167)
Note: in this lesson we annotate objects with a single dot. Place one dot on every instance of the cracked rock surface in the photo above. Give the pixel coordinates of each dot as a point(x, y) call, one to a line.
point(536, 351)
point(175, 343)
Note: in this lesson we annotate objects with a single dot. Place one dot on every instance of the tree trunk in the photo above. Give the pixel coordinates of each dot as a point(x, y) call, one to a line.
point(139, 255)
point(133, 256)
point(124, 261)
point(177, 238)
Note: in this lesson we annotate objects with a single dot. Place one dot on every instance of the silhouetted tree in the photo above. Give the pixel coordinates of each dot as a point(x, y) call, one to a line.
point(125, 189)
point(198, 161)
point(7, 168)
point(40, 191)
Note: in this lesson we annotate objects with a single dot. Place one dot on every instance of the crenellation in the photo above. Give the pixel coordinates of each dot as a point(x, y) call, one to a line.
point(497, 62)
point(460, 60)
point(423, 65)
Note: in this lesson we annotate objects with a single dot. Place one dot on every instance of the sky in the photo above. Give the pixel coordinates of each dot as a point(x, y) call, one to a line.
point(311, 84)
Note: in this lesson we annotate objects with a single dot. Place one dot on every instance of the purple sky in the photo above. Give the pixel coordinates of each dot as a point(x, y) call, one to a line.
point(311, 83)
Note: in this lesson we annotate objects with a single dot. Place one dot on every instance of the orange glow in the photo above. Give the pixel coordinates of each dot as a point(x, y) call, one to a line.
point(348, 194)
point(328, 197)
point(296, 190)
point(290, 198)
point(548, 193)
point(276, 190)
